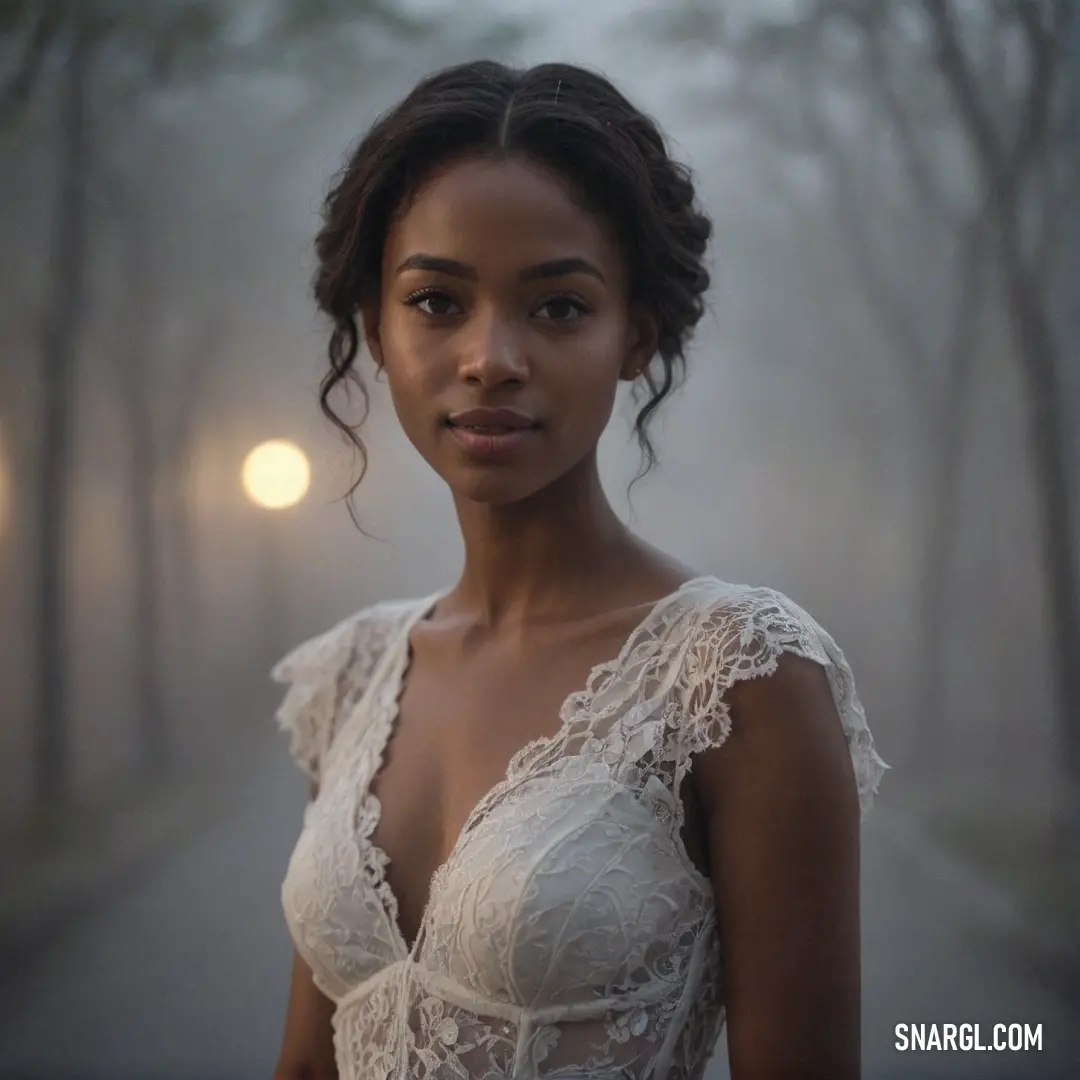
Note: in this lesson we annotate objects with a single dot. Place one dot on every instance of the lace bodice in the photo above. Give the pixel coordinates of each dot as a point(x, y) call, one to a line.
point(568, 934)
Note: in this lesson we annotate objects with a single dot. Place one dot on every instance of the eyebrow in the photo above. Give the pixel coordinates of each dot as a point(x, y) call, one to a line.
point(553, 269)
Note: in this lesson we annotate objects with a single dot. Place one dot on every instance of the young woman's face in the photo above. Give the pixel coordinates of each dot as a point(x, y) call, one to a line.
point(503, 328)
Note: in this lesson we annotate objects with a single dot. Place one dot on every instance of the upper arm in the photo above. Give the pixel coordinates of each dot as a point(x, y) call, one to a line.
point(307, 1046)
point(782, 816)
point(326, 677)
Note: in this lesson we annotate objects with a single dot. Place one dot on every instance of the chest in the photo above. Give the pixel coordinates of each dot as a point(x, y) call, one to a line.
point(396, 856)
point(566, 891)
point(462, 715)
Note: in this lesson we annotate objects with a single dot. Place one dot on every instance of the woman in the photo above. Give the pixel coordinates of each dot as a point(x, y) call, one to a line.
point(574, 811)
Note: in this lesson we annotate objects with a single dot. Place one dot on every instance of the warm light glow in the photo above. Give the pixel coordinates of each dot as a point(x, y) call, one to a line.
point(276, 474)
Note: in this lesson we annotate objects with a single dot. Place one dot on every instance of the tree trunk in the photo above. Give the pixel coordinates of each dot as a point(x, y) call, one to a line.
point(272, 605)
point(185, 564)
point(942, 505)
point(205, 356)
point(153, 720)
point(137, 368)
point(180, 536)
point(1041, 365)
point(56, 453)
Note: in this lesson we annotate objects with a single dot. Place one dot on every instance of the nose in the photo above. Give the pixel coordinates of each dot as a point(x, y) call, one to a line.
point(494, 353)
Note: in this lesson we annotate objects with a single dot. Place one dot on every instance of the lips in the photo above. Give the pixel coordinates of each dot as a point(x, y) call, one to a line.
point(492, 421)
point(492, 433)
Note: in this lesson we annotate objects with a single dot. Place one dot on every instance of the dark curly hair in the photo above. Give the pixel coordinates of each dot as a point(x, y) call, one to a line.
point(563, 117)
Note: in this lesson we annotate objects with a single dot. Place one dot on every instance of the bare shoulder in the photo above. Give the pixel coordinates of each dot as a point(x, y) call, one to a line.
point(765, 681)
point(781, 802)
point(786, 741)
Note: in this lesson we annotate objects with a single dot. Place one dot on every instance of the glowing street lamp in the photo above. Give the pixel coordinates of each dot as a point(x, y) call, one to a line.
point(276, 476)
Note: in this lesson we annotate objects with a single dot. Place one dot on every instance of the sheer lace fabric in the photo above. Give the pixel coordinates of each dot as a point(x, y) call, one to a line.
point(568, 934)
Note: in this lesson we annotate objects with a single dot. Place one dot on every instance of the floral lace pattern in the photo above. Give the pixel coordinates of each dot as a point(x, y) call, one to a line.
point(568, 933)
point(327, 676)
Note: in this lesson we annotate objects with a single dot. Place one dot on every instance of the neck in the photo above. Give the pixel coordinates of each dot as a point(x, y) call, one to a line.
point(536, 557)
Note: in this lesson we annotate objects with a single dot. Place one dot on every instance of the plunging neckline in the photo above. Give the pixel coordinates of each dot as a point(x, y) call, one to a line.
point(394, 678)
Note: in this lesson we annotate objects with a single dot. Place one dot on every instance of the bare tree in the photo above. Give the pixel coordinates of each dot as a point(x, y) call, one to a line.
point(162, 388)
point(93, 50)
point(205, 350)
point(827, 80)
point(55, 455)
point(1025, 236)
point(88, 48)
point(135, 356)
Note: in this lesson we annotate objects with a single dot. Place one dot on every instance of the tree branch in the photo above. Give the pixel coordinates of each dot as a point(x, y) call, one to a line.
point(1004, 168)
point(17, 90)
point(897, 323)
point(205, 351)
point(808, 132)
point(916, 159)
point(961, 83)
point(1043, 46)
point(1060, 203)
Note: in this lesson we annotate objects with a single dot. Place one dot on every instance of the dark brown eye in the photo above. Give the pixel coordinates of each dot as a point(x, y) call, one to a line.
point(433, 302)
point(563, 309)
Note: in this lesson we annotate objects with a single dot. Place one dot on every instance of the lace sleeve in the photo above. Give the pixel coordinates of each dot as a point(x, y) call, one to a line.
point(326, 676)
point(743, 637)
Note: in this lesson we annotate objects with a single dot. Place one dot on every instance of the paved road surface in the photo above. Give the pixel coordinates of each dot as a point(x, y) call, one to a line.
point(183, 977)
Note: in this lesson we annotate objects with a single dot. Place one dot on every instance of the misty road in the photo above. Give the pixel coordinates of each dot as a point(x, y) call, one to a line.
point(184, 975)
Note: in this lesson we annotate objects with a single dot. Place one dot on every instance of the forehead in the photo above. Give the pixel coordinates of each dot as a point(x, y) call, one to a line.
point(500, 213)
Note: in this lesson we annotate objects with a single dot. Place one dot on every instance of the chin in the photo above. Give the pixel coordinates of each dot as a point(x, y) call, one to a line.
point(492, 491)
point(495, 487)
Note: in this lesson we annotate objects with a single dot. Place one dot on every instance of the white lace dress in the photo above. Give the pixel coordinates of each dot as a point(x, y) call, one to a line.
point(568, 934)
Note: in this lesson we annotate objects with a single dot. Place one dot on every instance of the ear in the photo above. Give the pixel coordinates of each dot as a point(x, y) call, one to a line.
point(644, 337)
point(369, 321)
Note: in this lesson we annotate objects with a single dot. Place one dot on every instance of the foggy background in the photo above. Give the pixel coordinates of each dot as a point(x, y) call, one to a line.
point(880, 420)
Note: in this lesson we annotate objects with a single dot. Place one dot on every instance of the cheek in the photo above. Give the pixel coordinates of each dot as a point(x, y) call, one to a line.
point(411, 367)
point(587, 375)
point(411, 391)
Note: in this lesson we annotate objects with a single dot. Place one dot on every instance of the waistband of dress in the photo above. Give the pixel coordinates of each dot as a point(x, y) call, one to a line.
point(454, 993)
